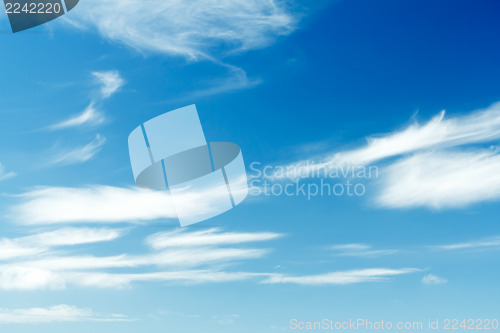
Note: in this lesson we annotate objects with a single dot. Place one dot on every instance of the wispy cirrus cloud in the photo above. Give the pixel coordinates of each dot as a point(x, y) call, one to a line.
point(4, 175)
point(44, 242)
point(440, 132)
point(89, 116)
point(360, 250)
point(478, 244)
point(187, 257)
point(191, 261)
point(108, 83)
point(208, 237)
point(439, 164)
point(184, 277)
point(56, 314)
point(195, 29)
point(342, 277)
point(79, 154)
point(199, 30)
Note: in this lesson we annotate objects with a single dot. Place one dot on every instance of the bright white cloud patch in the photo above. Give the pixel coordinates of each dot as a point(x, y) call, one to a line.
point(433, 279)
point(193, 29)
point(104, 204)
point(441, 180)
point(59, 313)
point(99, 204)
point(29, 278)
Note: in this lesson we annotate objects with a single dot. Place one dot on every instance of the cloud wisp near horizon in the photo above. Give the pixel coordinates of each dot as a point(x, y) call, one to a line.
point(45, 261)
point(56, 314)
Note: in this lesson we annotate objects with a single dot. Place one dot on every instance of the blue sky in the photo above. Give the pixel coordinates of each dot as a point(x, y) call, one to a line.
point(334, 82)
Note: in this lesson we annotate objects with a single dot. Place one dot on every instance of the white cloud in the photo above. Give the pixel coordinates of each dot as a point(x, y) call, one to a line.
point(53, 270)
point(89, 116)
point(176, 258)
point(360, 250)
point(439, 164)
point(72, 236)
point(441, 180)
point(193, 29)
point(209, 237)
point(488, 243)
point(106, 280)
point(80, 154)
point(58, 313)
point(43, 242)
point(190, 258)
point(104, 204)
point(29, 278)
point(341, 278)
point(478, 127)
point(98, 204)
point(109, 81)
point(4, 175)
point(236, 79)
point(433, 279)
